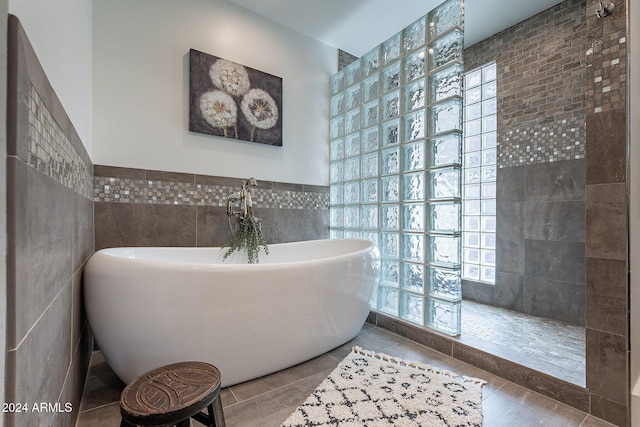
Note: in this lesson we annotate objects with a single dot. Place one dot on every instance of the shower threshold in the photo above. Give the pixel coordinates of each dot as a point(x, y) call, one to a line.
point(549, 346)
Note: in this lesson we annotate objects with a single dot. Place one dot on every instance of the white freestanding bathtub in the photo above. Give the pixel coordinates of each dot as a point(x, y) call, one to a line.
point(148, 307)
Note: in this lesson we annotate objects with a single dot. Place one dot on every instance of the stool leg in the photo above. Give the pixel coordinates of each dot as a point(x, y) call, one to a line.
point(212, 418)
point(125, 423)
point(216, 414)
point(184, 423)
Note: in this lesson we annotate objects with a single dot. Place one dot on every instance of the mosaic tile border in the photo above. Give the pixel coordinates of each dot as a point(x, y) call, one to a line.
point(52, 152)
point(606, 73)
point(131, 190)
point(606, 58)
point(542, 143)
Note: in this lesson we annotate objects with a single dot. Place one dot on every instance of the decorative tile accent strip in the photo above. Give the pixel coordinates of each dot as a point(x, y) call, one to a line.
point(542, 143)
point(126, 190)
point(52, 153)
point(606, 73)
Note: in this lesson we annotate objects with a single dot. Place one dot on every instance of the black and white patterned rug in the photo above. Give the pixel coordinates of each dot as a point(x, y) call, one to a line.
point(373, 389)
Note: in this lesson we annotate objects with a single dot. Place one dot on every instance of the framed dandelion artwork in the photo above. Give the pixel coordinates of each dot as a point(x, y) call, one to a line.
point(234, 101)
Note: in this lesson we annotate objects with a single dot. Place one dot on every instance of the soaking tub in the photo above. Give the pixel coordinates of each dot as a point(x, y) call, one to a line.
point(148, 307)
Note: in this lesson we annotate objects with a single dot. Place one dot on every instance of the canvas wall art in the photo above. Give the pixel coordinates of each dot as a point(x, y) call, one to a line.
point(234, 101)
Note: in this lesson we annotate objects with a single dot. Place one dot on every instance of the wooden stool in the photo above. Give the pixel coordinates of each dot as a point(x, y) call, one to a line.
point(171, 395)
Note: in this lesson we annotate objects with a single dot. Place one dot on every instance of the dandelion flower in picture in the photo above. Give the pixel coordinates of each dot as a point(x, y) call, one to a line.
point(230, 77)
point(260, 110)
point(219, 110)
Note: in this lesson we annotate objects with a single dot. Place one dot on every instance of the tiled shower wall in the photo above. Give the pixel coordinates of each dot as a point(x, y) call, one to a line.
point(607, 204)
point(540, 205)
point(50, 237)
point(136, 207)
point(606, 227)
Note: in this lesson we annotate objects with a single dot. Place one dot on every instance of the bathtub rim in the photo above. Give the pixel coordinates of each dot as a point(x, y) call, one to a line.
point(111, 254)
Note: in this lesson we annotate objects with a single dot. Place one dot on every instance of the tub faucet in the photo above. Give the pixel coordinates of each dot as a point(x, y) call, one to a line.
point(241, 199)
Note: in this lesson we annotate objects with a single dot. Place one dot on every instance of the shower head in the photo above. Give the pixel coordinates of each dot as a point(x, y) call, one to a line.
point(605, 9)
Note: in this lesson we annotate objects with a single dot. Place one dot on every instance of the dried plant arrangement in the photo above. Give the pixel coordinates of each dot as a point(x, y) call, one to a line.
point(248, 237)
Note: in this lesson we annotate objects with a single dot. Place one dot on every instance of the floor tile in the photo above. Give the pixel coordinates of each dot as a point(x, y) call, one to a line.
point(321, 364)
point(104, 416)
point(592, 421)
point(268, 401)
point(271, 409)
point(101, 389)
point(553, 347)
point(513, 405)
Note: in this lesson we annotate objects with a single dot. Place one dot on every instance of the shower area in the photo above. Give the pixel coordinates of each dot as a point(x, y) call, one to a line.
point(466, 165)
point(532, 311)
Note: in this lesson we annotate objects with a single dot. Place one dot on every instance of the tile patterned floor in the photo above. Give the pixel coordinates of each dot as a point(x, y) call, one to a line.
point(267, 401)
point(545, 345)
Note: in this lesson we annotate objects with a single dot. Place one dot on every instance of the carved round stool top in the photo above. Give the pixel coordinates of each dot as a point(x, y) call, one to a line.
point(171, 391)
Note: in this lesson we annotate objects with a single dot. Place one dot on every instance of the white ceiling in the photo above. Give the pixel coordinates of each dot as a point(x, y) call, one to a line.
point(357, 26)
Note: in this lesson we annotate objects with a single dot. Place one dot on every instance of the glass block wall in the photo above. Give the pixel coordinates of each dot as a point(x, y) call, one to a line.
point(479, 168)
point(396, 156)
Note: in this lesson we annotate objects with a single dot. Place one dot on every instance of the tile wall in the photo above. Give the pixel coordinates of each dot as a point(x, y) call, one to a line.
point(136, 207)
point(50, 237)
point(540, 244)
point(541, 85)
point(540, 204)
point(344, 59)
point(607, 205)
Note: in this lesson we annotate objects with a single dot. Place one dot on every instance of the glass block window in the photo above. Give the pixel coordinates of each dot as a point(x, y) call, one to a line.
point(396, 166)
point(479, 175)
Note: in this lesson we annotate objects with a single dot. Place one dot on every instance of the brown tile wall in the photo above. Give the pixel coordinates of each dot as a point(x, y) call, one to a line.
point(50, 237)
point(607, 204)
point(136, 207)
point(541, 85)
point(607, 264)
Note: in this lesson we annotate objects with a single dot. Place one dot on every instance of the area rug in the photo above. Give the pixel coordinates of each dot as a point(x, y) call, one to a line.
point(373, 389)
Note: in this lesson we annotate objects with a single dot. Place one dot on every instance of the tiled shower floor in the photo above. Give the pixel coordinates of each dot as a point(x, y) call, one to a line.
point(267, 401)
point(548, 346)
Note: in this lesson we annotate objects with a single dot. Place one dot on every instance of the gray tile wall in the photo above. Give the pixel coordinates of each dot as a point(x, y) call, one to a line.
point(50, 234)
point(607, 264)
point(136, 207)
point(540, 244)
